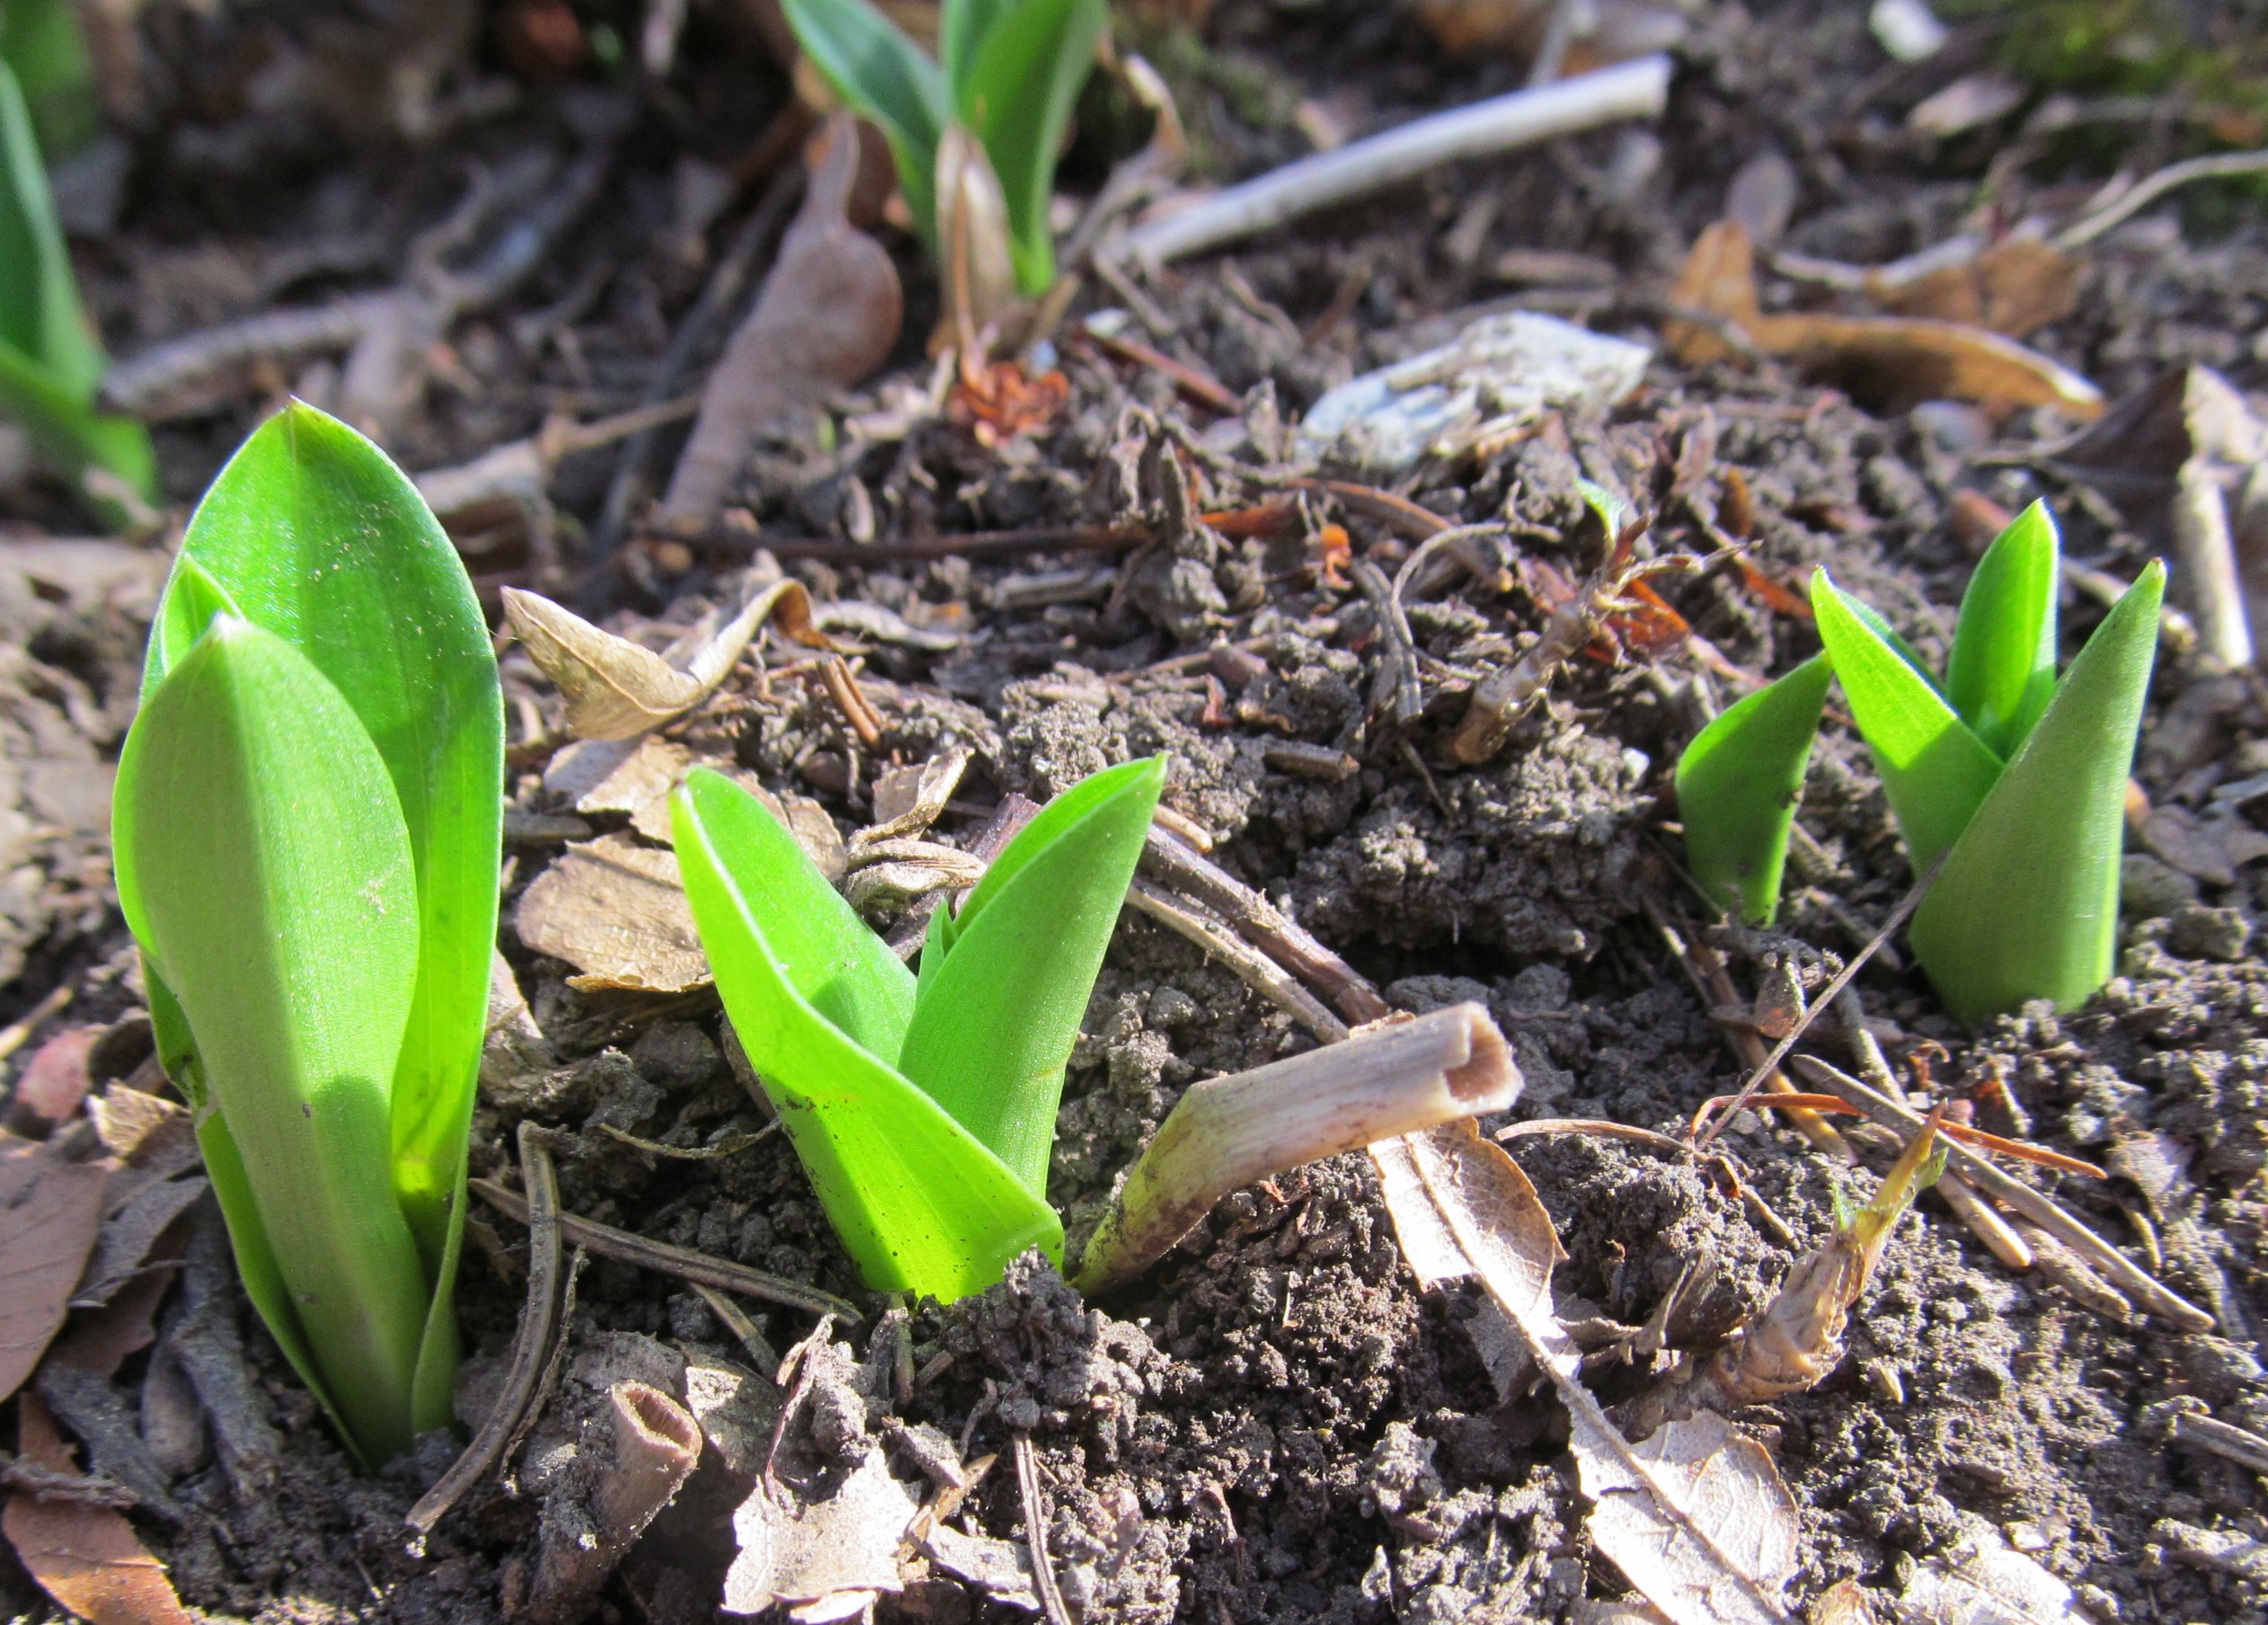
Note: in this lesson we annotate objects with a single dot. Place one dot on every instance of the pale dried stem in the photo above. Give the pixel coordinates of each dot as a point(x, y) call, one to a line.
point(657, 1444)
point(1630, 90)
point(2117, 1270)
point(1395, 1079)
point(1254, 968)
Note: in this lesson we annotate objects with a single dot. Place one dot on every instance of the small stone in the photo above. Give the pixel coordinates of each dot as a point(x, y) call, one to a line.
point(2150, 888)
point(2198, 932)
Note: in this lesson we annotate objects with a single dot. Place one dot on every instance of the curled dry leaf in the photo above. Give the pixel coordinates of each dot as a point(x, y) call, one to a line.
point(615, 910)
point(51, 1212)
point(617, 689)
point(973, 244)
point(1887, 360)
point(87, 1557)
point(2015, 287)
point(1700, 1521)
point(826, 316)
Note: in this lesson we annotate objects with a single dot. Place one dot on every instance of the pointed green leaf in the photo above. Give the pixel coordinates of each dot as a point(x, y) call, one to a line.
point(2027, 905)
point(190, 602)
point(72, 438)
point(1936, 770)
point(2002, 670)
point(1738, 784)
point(317, 537)
point(815, 940)
point(42, 41)
point(993, 1025)
point(40, 314)
point(1018, 96)
point(919, 1204)
point(273, 873)
point(883, 74)
point(962, 27)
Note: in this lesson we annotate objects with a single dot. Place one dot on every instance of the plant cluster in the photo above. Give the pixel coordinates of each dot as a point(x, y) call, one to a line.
point(51, 361)
point(2014, 778)
point(1008, 74)
point(924, 1108)
point(307, 834)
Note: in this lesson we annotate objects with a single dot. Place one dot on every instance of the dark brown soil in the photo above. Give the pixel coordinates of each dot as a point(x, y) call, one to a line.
point(1276, 1423)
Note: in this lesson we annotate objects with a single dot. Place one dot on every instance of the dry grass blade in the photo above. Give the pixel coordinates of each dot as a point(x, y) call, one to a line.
point(1792, 1102)
point(617, 689)
point(1254, 968)
point(1035, 1529)
point(2118, 1270)
point(1395, 1079)
point(537, 1319)
point(1699, 1521)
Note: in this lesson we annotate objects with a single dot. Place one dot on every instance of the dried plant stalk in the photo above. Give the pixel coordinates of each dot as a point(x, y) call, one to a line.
point(1394, 1078)
point(657, 1444)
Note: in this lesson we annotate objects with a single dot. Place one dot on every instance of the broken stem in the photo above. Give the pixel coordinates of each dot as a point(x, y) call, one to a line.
point(1254, 968)
point(1394, 1078)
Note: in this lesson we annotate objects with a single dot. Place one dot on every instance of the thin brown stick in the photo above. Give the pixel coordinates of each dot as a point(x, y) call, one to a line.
point(683, 1262)
point(970, 544)
point(2049, 1215)
point(736, 1322)
point(538, 1318)
point(1198, 385)
point(1035, 1532)
point(2223, 1439)
point(1967, 1134)
point(1598, 1126)
point(1254, 968)
point(1178, 865)
point(1851, 967)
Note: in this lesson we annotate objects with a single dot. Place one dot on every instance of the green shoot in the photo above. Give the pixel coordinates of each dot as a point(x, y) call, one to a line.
point(1738, 784)
point(2017, 780)
point(50, 363)
point(924, 1109)
point(1011, 76)
point(43, 45)
point(307, 830)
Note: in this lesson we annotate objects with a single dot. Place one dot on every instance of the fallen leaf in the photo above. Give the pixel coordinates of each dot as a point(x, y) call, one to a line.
point(100, 1340)
point(55, 1078)
point(618, 776)
point(615, 910)
point(1845, 1602)
point(1699, 1522)
point(617, 689)
point(908, 799)
point(1000, 1569)
point(827, 314)
point(87, 1557)
point(1891, 362)
point(1973, 100)
point(51, 1213)
point(2015, 287)
point(129, 1233)
point(820, 1555)
point(1984, 1581)
point(999, 401)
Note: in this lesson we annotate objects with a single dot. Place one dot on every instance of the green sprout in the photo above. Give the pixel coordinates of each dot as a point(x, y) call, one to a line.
point(42, 42)
point(1010, 75)
point(923, 1108)
point(307, 830)
point(2017, 778)
point(51, 361)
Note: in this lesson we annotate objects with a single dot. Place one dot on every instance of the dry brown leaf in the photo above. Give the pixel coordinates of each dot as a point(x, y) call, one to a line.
point(615, 910)
point(87, 1557)
point(2015, 287)
point(100, 1340)
point(827, 314)
point(819, 1555)
point(617, 689)
point(1845, 1602)
point(1708, 1534)
point(51, 1212)
point(1888, 361)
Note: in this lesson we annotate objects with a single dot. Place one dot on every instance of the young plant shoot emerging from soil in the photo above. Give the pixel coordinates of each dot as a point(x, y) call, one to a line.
point(924, 1108)
point(307, 832)
point(1009, 74)
point(50, 362)
point(2017, 778)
